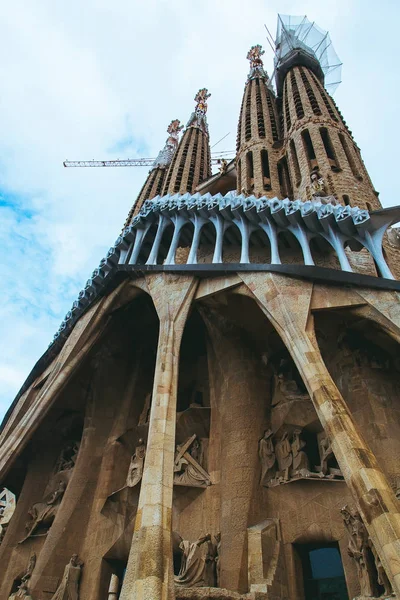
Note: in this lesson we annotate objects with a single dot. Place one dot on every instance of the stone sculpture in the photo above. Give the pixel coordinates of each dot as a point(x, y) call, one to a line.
point(267, 457)
point(284, 456)
point(68, 456)
point(22, 591)
point(327, 456)
point(69, 586)
point(318, 187)
point(43, 513)
point(217, 539)
point(300, 464)
point(187, 470)
point(358, 549)
point(136, 465)
point(223, 166)
point(197, 564)
point(285, 386)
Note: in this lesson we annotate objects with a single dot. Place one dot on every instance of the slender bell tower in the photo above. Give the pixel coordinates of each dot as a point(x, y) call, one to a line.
point(191, 164)
point(258, 134)
point(155, 180)
point(321, 154)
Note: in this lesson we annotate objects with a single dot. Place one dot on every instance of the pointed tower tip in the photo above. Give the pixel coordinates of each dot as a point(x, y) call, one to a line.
point(198, 117)
point(165, 155)
point(256, 64)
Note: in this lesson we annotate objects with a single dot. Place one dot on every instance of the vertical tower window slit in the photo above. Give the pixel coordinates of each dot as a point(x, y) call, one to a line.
point(295, 160)
point(330, 152)
point(296, 97)
point(349, 156)
point(193, 161)
point(247, 131)
point(250, 170)
point(287, 111)
point(310, 92)
point(179, 174)
point(260, 115)
point(265, 170)
point(272, 118)
point(346, 200)
point(309, 149)
point(284, 179)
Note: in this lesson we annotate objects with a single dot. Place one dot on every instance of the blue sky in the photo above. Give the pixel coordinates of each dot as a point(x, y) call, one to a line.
point(103, 80)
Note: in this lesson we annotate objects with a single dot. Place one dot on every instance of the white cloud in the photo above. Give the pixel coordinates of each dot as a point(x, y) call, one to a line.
point(94, 79)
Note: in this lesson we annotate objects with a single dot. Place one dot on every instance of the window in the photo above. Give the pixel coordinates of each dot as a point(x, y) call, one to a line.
point(260, 114)
point(349, 156)
point(346, 200)
point(309, 149)
point(265, 170)
point(284, 179)
point(250, 170)
point(295, 162)
point(310, 93)
point(330, 152)
point(296, 97)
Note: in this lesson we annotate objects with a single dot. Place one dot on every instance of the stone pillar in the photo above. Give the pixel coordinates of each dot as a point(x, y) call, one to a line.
point(149, 574)
point(286, 303)
point(242, 405)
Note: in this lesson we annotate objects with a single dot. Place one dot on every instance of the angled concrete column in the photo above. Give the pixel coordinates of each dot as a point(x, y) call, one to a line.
point(286, 303)
point(149, 574)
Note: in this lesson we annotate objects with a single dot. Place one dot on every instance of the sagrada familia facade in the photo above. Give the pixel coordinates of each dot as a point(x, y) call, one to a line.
point(217, 417)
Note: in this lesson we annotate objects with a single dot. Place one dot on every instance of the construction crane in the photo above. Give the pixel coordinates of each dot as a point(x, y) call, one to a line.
point(136, 162)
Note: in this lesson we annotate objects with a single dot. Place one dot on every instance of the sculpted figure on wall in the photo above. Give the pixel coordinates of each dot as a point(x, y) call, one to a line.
point(285, 386)
point(318, 187)
point(267, 457)
point(135, 471)
point(358, 549)
point(43, 513)
point(187, 468)
point(288, 459)
point(69, 586)
point(68, 456)
point(198, 567)
point(300, 464)
point(22, 591)
point(284, 456)
point(217, 539)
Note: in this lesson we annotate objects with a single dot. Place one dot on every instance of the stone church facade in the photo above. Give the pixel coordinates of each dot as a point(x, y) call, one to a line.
point(217, 417)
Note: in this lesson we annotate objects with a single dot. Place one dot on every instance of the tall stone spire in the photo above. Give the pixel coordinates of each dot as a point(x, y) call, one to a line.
point(191, 164)
point(155, 179)
point(258, 133)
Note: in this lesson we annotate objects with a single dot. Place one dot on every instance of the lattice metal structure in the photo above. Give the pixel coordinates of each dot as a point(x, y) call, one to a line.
point(299, 40)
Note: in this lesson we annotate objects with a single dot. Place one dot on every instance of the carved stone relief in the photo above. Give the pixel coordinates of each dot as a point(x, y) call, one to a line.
point(199, 562)
point(22, 591)
point(370, 571)
point(69, 586)
point(287, 459)
point(188, 470)
point(42, 514)
point(67, 459)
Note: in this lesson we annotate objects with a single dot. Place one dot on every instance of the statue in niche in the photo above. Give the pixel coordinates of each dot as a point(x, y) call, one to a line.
point(135, 470)
point(358, 549)
point(197, 564)
point(318, 186)
point(286, 387)
point(187, 468)
point(69, 586)
point(397, 490)
point(68, 456)
point(327, 458)
point(284, 457)
point(22, 591)
point(217, 539)
point(43, 513)
point(267, 457)
point(300, 462)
